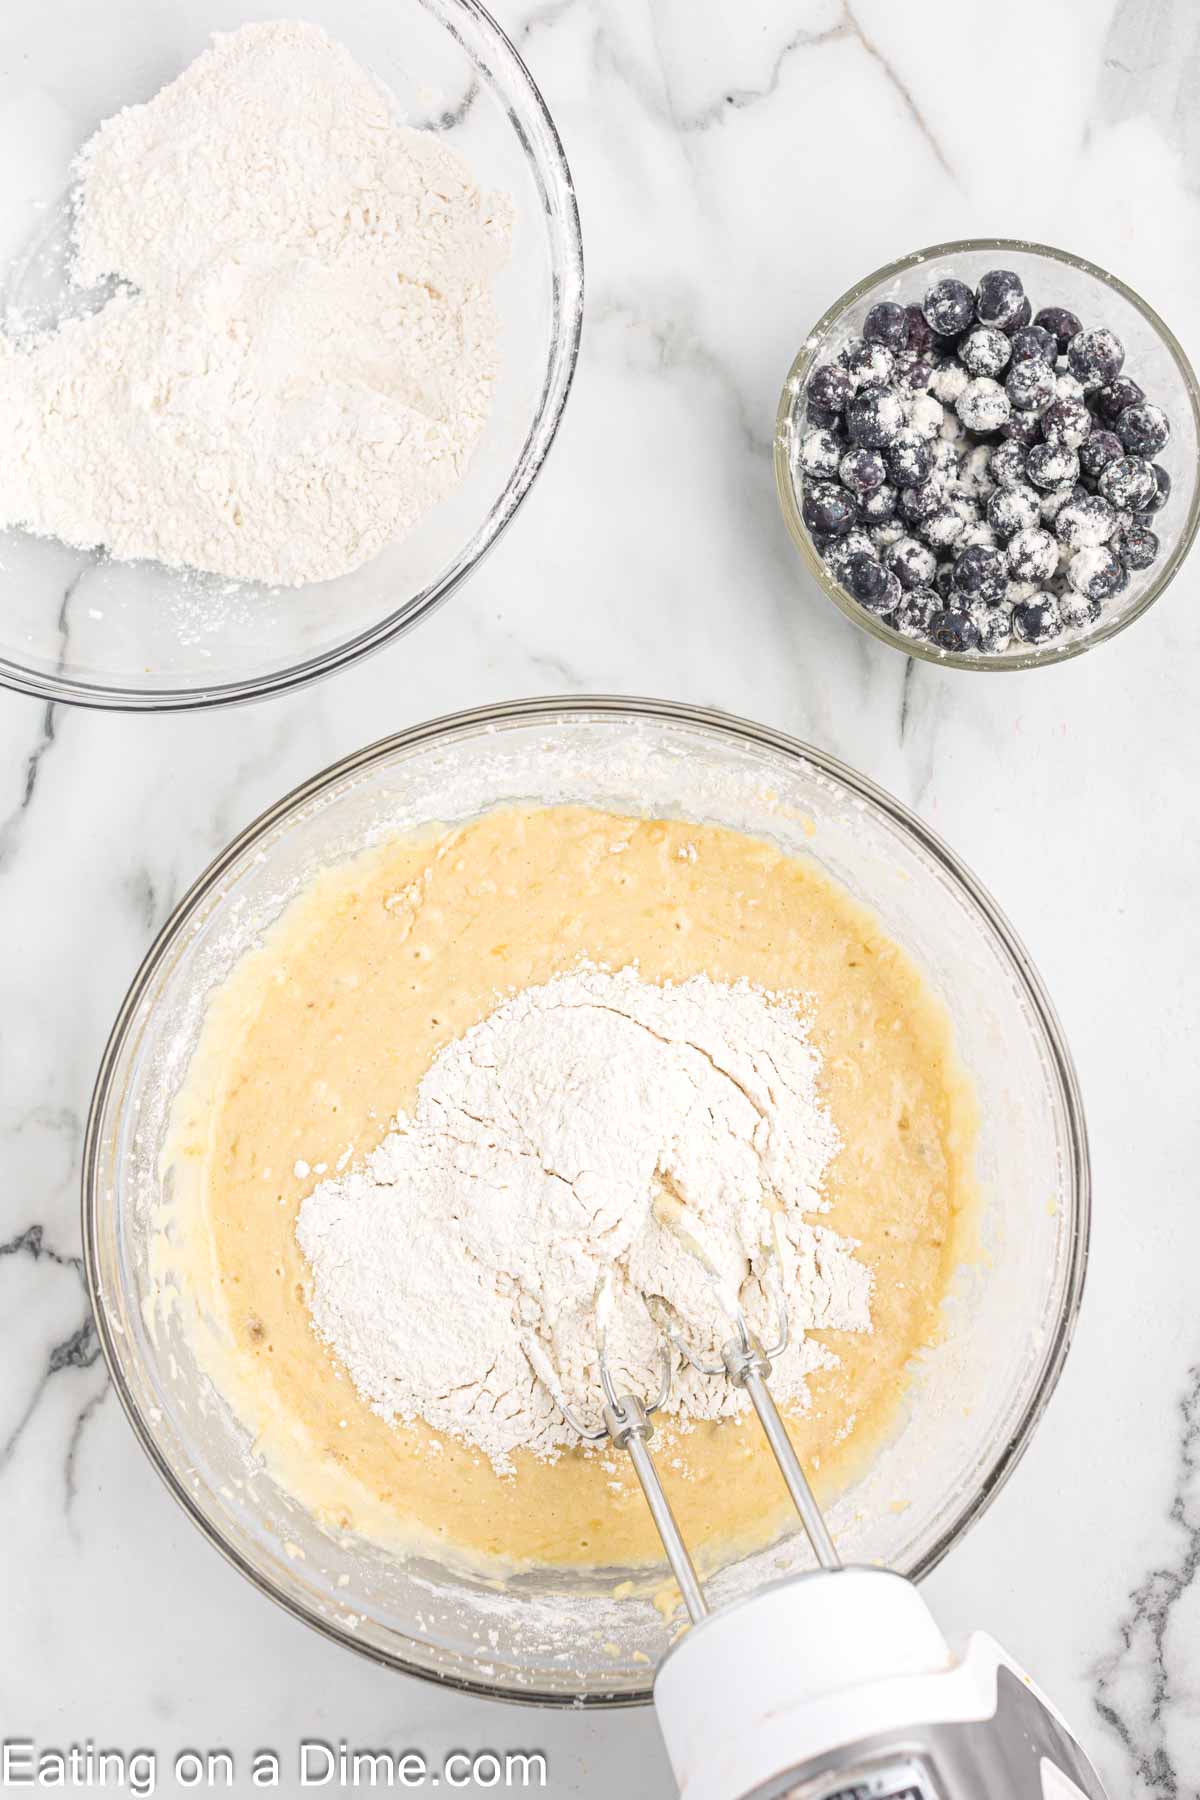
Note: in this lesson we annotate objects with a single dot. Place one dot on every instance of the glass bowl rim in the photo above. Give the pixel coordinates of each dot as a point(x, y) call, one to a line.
point(553, 172)
point(1048, 655)
point(552, 710)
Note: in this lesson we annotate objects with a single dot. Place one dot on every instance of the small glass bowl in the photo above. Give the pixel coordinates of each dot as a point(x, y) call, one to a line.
point(1051, 278)
point(562, 1637)
point(78, 627)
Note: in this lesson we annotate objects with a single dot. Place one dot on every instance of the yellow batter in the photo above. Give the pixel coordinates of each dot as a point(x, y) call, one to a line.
point(324, 1033)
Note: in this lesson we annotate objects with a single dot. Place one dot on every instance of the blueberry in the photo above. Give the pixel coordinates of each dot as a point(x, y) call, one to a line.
point(949, 307)
point(1129, 483)
point(983, 405)
point(875, 416)
point(909, 458)
point(1024, 427)
point(912, 373)
point(862, 470)
point(1067, 423)
point(949, 381)
point(879, 505)
point(1076, 609)
point(911, 617)
point(1037, 620)
point(920, 334)
point(1021, 318)
point(980, 535)
point(981, 574)
point(893, 595)
point(1034, 340)
point(1085, 522)
point(984, 350)
point(913, 564)
point(999, 299)
point(829, 388)
point(1052, 466)
point(916, 504)
point(1031, 385)
point(822, 419)
point(1101, 448)
point(943, 581)
point(1095, 357)
point(867, 364)
point(1054, 499)
point(867, 579)
point(1110, 401)
point(1012, 509)
point(1097, 572)
point(1007, 467)
point(887, 323)
point(820, 454)
point(1033, 555)
point(1162, 490)
point(926, 416)
point(1136, 545)
point(828, 508)
point(856, 542)
point(994, 625)
point(952, 629)
point(946, 524)
point(1061, 323)
point(1143, 429)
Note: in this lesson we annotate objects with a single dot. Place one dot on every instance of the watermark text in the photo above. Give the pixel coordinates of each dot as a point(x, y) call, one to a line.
point(314, 1764)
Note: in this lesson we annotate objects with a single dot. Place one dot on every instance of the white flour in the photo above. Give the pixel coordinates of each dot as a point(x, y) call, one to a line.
point(585, 1130)
point(302, 352)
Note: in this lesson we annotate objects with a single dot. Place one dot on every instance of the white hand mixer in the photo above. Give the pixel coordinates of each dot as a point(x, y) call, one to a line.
point(834, 1685)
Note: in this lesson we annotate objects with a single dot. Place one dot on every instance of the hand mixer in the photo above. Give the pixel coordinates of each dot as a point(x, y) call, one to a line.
point(833, 1685)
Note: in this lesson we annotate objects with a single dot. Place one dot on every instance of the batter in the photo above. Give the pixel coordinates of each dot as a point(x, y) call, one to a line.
point(325, 1031)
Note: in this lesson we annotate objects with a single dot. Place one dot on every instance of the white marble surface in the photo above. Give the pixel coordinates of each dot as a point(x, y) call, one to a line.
point(737, 167)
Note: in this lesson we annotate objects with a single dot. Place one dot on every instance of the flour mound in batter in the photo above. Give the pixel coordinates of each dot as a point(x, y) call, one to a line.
point(592, 1134)
point(301, 352)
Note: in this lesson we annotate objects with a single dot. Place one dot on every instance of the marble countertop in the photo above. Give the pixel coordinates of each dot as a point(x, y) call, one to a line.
point(737, 167)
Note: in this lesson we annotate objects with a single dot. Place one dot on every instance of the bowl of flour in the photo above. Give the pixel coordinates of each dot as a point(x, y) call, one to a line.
point(290, 313)
point(512, 1131)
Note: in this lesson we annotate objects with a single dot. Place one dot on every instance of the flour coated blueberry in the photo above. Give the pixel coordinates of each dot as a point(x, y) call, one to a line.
point(979, 474)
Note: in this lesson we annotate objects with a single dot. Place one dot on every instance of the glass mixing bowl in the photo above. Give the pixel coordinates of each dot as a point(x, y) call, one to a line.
point(975, 1398)
point(1154, 358)
point(76, 627)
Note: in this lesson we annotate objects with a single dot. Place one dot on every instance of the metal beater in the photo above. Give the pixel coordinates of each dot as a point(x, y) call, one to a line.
point(833, 1685)
point(627, 1421)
